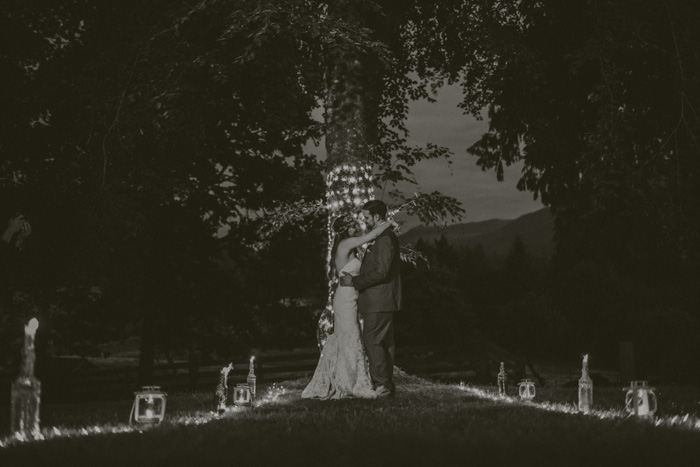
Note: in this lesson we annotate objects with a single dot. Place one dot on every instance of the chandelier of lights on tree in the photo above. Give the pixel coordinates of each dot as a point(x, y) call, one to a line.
point(348, 187)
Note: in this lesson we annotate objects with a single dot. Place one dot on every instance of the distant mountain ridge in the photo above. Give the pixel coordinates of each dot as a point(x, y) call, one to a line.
point(453, 233)
point(496, 236)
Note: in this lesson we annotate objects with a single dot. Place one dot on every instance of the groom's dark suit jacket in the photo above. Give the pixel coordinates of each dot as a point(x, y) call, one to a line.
point(379, 280)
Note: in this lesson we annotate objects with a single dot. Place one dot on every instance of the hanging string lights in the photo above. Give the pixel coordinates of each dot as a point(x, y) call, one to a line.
point(348, 187)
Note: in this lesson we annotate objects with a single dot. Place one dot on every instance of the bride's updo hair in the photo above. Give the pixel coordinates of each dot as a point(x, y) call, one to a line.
point(342, 224)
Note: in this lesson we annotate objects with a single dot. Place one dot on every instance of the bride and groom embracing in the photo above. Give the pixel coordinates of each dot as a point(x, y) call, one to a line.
point(372, 287)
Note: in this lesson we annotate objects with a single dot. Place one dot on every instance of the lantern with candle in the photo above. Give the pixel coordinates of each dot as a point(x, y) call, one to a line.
point(640, 399)
point(526, 390)
point(242, 395)
point(26, 390)
point(585, 388)
point(149, 406)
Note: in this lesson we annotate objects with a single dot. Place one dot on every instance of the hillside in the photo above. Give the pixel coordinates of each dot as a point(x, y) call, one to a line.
point(453, 233)
point(496, 236)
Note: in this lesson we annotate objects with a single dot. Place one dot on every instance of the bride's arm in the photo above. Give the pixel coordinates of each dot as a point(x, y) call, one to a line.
point(353, 242)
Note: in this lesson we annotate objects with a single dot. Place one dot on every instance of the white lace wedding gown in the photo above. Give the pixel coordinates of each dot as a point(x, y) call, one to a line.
point(342, 370)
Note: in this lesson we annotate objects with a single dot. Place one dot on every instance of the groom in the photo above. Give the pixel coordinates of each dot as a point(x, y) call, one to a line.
point(379, 284)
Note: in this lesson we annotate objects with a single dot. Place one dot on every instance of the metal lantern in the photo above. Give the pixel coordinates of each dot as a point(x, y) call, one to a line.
point(149, 406)
point(242, 396)
point(640, 399)
point(526, 390)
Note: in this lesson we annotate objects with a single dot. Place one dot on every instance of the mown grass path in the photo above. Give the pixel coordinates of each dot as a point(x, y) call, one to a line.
point(425, 424)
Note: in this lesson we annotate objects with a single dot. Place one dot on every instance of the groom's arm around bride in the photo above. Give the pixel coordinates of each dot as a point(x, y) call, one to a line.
point(379, 280)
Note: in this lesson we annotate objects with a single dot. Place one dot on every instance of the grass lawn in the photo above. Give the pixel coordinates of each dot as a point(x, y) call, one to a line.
point(425, 424)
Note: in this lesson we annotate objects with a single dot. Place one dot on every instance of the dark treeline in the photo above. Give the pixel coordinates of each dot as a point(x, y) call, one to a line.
point(218, 304)
point(552, 309)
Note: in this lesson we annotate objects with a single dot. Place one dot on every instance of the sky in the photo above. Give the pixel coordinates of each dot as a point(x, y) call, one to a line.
point(482, 196)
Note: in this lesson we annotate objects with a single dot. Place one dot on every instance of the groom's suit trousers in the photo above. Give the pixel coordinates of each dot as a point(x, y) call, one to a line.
point(378, 336)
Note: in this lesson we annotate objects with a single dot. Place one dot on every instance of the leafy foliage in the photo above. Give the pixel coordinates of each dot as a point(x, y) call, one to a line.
point(137, 130)
point(597, 100)
point(130, 151)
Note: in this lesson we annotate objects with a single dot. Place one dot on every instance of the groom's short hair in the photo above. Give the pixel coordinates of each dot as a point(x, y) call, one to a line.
point(375, 207)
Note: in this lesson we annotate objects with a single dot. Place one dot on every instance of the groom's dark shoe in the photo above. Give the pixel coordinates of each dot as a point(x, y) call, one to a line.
point(383, 391)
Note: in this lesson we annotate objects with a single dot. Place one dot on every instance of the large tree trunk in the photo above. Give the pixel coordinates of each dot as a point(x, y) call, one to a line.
point(349, 103)
point(351, 133)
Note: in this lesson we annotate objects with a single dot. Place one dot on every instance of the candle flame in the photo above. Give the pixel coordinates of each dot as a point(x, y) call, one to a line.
point(585, 358)
point(252, 358)
point(32, 326)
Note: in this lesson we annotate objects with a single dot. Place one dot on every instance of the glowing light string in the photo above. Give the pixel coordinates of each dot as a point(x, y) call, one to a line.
point(678, 421)
point(348, 187)
point(274, 393)
point(272, 396)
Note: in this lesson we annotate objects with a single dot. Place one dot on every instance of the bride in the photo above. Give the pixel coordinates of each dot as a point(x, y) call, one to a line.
point(342, 369)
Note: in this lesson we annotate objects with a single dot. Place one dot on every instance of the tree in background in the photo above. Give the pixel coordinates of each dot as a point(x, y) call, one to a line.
point(598, 100)
point(128, 154)
point(145, 127)
point(355, 57)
